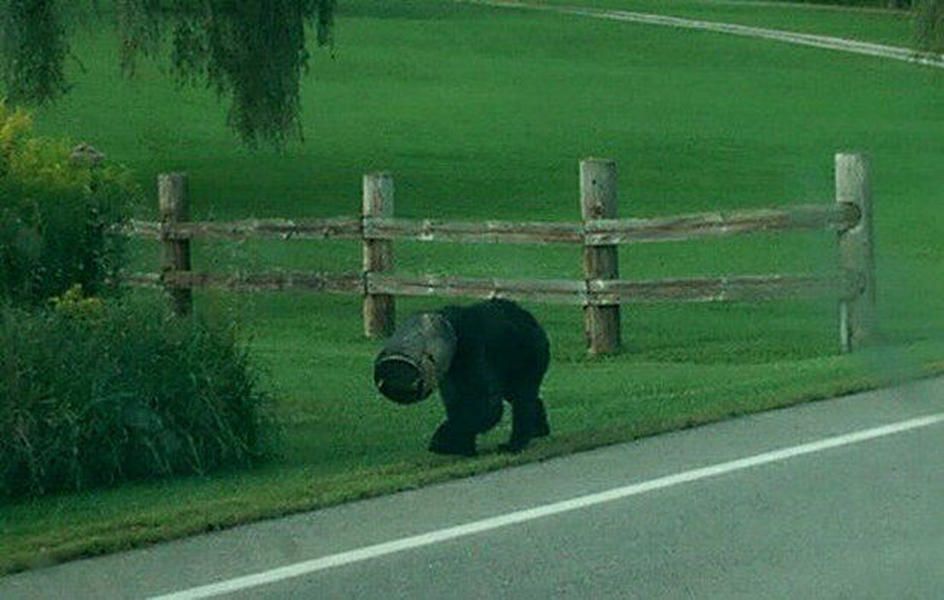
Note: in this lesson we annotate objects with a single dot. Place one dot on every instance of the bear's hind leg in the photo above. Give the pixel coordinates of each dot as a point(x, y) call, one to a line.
point(541, 427)
point(528, 417)
point(522, 426)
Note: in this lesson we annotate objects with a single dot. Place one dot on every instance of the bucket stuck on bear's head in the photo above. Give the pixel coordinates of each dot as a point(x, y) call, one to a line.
point(415, 358)
point(402, 379)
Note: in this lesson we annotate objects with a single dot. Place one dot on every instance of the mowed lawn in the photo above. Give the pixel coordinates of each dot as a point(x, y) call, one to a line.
point(483, 113)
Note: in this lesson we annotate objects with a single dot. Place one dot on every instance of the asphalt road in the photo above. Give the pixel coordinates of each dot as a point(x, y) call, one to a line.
point(837, 499)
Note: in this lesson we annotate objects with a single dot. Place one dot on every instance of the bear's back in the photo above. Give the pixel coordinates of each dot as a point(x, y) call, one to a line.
point(510, 337)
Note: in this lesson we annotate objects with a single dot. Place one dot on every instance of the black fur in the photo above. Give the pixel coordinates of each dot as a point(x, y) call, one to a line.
point(502, 353)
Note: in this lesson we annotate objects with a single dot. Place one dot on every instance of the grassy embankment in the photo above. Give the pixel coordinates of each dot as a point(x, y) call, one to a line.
point(483, 113)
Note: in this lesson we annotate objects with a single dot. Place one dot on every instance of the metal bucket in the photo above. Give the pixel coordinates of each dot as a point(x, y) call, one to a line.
point(415, 357)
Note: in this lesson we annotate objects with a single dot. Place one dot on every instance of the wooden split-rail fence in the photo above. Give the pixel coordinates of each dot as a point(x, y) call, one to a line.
point(600, 292)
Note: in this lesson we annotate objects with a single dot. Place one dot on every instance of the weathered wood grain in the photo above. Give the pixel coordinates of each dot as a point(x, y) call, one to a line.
point(856, 251)
point(379, 309)
point(497, 232)
point(554, 291)
point(720, 224)
point(598, 185)
point(280, 229)
point(601, 232)
point(338, 283)
point(747, 288)
point(174, 207)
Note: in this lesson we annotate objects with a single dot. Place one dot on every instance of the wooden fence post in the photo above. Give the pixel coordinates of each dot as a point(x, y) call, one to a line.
point(379, 309)
point(598, 201)
point(856, 251)
point(174, 207)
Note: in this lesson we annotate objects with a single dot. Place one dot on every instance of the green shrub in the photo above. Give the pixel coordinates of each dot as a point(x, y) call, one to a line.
point(98, 392)
point(56, 212)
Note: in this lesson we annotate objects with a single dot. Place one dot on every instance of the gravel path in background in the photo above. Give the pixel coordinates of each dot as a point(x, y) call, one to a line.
point(789, 37)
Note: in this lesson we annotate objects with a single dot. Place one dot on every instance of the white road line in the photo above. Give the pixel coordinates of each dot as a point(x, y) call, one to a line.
point(790, 37)
point(538, 512)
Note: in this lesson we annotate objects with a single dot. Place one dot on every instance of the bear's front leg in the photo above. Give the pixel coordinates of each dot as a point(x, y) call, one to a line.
point(449, 439)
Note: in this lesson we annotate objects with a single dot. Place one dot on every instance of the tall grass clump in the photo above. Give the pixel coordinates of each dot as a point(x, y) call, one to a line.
point(95, 393)
point(58, 209)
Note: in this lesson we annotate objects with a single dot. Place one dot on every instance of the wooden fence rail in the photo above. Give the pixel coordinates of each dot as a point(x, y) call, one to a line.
point(602, 232)
point(601, 292)
point(748, 288)
point(280, 229)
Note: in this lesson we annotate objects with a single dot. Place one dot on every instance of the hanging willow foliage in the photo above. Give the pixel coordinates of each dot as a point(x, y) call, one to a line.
point(929, 25)
point(253, 52)
point(34, 47)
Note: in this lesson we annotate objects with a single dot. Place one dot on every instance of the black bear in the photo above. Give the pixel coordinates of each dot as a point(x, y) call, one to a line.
point(479, 356)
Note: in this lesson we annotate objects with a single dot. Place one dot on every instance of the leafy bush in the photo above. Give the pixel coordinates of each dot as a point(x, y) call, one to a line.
point(97, 392)
point(56, 212)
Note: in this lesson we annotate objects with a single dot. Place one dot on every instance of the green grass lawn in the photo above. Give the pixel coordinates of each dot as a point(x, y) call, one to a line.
point(484, 113)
